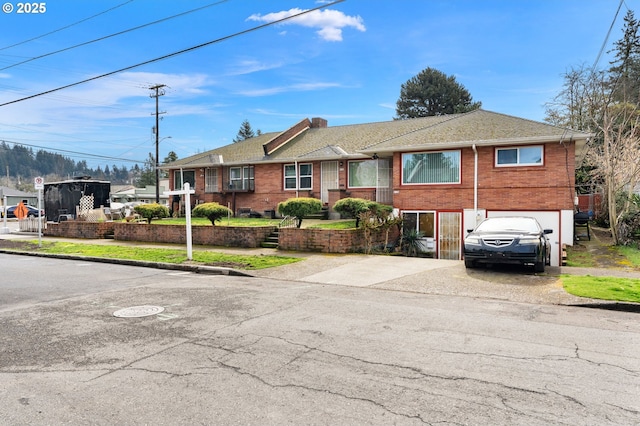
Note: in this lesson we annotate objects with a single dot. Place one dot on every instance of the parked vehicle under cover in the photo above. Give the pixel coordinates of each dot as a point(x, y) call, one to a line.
point(508, 240)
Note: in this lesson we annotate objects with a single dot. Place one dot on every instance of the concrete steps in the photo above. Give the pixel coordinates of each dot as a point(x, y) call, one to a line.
point(271, 241)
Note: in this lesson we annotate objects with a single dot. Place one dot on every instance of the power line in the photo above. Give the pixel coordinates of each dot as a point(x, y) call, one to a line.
point(67, 26)
point(606, 39)
point(170, 55)
point(114, 34)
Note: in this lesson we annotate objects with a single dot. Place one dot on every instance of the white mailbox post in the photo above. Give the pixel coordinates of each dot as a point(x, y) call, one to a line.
point(187, 209)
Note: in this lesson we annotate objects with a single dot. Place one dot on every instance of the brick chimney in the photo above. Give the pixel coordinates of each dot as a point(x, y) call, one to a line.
point(319, 123)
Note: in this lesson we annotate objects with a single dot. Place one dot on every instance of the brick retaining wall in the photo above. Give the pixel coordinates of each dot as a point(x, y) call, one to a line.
point(226, 236)
point(327, 240)
point(294, 239)
point(79, 229)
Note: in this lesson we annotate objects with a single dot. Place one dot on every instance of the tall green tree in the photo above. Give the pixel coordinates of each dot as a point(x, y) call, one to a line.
point(624, 74)
point(147, 175)
point(432, 92)
point(246, 132)
point(171, 157)
point(607, 104)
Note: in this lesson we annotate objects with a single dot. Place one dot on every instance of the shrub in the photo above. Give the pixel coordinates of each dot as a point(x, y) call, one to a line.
point(299, 207)
point(352, 207)
point(212, 211)
point(152, 211)
point(355, 207)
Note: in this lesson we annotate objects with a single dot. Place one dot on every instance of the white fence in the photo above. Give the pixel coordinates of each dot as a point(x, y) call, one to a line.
point(30, 224)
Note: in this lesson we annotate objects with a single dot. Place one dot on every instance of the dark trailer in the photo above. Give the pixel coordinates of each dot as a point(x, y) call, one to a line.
point(63, 197)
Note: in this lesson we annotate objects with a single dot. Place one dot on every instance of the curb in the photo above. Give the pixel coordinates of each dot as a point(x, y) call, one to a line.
point(198, 269)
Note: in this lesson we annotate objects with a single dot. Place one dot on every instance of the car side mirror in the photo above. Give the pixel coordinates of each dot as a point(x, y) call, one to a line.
point(469, 231)
point(548, 231)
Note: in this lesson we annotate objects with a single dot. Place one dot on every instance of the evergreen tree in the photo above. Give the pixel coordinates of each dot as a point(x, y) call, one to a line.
point(147, 175)
point(624, 73)
point(170, 158)
point(245, 132)
point(430, 93)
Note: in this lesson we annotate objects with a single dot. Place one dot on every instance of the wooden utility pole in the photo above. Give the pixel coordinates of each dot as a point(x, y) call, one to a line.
point(158, 90)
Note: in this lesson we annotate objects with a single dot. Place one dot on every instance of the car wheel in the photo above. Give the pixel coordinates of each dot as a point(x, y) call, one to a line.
point(539, 266)
point(469, 264)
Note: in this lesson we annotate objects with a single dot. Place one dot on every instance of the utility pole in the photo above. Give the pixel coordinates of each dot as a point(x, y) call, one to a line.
point(158, 90)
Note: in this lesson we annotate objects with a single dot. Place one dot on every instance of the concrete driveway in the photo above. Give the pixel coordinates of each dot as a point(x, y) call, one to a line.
point(429, 276)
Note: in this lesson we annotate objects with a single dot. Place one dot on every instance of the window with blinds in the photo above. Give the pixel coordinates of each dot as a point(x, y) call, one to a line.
point(431, 167)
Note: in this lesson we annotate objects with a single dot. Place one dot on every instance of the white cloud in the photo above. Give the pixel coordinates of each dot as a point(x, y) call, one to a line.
point(303, 87)
point(329, 22)
point(388, 106)
point(250, 66)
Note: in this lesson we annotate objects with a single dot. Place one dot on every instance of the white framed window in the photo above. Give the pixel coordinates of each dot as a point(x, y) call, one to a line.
point(369, 173)
point(302, 178)
point(423, 222)
point(421, 168)
point(241, 178)
point(211, 179)
point(520, 156)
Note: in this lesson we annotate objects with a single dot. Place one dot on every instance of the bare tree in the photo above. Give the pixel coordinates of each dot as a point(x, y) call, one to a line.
point(618, 159)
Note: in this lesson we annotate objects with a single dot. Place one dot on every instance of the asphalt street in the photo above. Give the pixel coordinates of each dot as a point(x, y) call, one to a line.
point(273, 350)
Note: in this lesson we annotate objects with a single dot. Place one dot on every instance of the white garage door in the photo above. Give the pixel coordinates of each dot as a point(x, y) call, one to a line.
point(548, 220)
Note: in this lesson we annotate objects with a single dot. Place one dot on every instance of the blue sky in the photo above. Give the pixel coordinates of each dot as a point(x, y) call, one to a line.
point(345, 63)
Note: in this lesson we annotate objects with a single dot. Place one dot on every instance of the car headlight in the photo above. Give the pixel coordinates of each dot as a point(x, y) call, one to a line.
point(472, 241)
point(529, 240)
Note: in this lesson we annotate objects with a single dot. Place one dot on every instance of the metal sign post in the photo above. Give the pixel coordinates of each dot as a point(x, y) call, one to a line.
point(39, 185)
point(5, 229)
point(187, 209)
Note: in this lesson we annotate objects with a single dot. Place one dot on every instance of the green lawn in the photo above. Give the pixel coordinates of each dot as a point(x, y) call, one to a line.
point(606, 288)
point(164, 255)
point(233, 221)
point(335, 224)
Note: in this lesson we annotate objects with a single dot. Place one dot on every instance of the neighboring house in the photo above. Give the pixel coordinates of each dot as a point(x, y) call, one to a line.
point(443, 174)
point(15, 196)
point(129, 193)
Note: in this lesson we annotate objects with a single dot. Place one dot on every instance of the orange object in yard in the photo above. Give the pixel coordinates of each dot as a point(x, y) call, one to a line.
point(21, 211)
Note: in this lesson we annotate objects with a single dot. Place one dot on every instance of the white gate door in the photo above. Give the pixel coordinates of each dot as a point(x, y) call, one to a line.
point(449, 235)
point(329, 180)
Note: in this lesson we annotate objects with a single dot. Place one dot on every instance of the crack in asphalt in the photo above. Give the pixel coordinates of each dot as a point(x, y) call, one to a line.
point(416, 374)
point(239, 370)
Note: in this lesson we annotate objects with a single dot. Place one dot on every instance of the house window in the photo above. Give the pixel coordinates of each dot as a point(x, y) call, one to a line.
point(431, 167)
point(422, 222)
point(211, 180)
point(369, 174)
point(303, 178)
point(519, 156)
point(241, 178)
point(180, 177)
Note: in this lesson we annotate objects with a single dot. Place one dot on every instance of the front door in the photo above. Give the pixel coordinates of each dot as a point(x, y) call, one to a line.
point(449, 235)
point(329, 180)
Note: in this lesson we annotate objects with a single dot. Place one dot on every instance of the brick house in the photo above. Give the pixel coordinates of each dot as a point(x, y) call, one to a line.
point(442, 174)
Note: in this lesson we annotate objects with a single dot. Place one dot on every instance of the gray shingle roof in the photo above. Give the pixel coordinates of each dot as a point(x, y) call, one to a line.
point(361, 140)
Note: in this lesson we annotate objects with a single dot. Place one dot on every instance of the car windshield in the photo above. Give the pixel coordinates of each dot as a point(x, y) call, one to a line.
point(522, 224)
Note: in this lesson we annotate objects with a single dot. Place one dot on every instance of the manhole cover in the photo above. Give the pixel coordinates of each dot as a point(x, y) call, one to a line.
point(138, 311)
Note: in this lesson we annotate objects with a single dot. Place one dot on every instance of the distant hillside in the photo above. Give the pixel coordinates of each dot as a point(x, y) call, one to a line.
point(24, 164)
